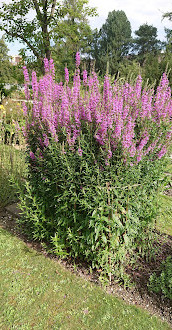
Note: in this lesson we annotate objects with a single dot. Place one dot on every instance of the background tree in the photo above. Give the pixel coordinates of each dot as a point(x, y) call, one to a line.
point(34, 22)
point(168, 42)
point(112, 42)
point(146, 42)
point(9, 73)
point(72, 34)
point(5, 65)
point(167, 15)
point(152, 70)
point(30, 22)
point(6, 69)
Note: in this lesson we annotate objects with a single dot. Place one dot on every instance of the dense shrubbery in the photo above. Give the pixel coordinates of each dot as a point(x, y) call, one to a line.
point(95, 157)
point(163, 282)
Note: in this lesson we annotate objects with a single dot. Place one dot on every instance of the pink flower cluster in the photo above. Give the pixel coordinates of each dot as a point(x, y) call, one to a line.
point(135, 118)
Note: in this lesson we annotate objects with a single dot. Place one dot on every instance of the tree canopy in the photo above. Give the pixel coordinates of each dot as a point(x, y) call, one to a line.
point(36, 22)
point(5, 65)
point(112, 41)
point(72, 33)
point(146, 41)
point(167, 15)
point(168, 43)
point(59, 28)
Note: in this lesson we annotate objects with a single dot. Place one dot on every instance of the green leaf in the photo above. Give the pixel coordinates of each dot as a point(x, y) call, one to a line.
point(104, 239)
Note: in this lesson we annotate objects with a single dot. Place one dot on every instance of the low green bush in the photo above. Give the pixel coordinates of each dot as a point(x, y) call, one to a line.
point(101, 216)
point(162, 283)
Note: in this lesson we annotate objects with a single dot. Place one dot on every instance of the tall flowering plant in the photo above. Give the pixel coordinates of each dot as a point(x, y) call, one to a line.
point(136, 120)
point(95, 158)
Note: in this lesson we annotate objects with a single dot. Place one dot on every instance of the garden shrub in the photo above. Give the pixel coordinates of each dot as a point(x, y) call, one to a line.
point(95, 156)
point(163, 282)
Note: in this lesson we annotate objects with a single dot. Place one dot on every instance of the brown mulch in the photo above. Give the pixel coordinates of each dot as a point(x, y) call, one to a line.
point(138, 295)
point(168, 192)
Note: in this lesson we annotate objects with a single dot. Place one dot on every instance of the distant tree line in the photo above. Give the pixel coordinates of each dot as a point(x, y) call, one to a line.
point(58, 30)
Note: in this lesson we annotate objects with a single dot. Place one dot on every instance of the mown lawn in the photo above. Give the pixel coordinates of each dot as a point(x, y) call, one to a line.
point(38, 293)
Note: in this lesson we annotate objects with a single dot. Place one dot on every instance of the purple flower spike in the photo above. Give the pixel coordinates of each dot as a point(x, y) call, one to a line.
point(52, 69)
point(162, 152)
point(109, 155)
point(77, 59)
point(66, 75)
point(26, 75)
point(32, 156)
point(85, 77)
point(123, 117)
point(80, 151)
point(46, 65)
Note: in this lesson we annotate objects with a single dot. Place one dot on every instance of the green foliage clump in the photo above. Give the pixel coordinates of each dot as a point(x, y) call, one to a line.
point(12, 173)
point(146, 41)
point(163, 282)
point(97, 214)
point(95, 161)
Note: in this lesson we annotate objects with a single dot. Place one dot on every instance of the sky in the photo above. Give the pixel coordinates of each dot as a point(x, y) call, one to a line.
point(138, 12)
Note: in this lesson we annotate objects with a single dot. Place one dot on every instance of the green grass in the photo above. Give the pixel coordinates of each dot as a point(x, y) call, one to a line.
point(38, 293)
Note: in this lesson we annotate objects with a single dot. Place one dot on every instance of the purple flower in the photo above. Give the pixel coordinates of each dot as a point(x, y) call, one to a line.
point(162, 152)
point(143, 142)
point(139, 158)
point(109, 155)
point(32, 156)
point(26, 75)
point(52, 69)
point(106, 162)
point(46, 65)
point(122, 118)
point(77, 60)
point(84, 77)
point(66, 75)
point(80, 151)
point(46, 140)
